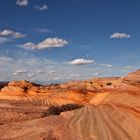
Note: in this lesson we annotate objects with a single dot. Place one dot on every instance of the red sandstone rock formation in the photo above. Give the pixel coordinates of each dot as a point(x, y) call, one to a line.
point(111, 110)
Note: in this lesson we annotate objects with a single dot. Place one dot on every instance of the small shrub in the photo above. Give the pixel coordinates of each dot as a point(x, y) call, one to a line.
point(109, 84)
point(101, 85)
point(56, 110)
point(25, 89)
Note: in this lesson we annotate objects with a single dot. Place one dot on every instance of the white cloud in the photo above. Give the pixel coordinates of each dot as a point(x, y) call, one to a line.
point(42, 30)
point(41, 8)
point(37, 69)
point(28, 45)
point(18, 35)
point(31, 74)
point(81, 61)
point(51, 71)
point(47, 43)
point(120, 35)
point(11, 33)
point(18, 72)
point(97, 74)
point(22, 2)
point(56, 78)
point(4, 40)
point(128, 67)
point(107, 65)
point(4, 60)
point(40, 71)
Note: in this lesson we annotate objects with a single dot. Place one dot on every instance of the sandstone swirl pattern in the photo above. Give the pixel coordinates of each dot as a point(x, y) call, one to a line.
point(111, 110)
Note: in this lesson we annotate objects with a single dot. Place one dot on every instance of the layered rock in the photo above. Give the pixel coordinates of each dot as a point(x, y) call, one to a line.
point(111, 110)
point(115, 117)
point(45, 95)
point(131, 81)
point(133, 78)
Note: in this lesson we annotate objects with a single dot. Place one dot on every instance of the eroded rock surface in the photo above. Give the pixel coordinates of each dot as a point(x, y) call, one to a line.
point(110, 110)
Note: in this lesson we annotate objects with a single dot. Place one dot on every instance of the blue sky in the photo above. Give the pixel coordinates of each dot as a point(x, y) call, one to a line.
point(56, 41)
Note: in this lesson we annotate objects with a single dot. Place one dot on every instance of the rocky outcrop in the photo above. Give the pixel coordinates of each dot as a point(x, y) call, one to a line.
point(107, 116)
point(74, 91)
point(17, 87)
point(110, 110)
point(131, 82)
point(3, 84)
point(45, 95)
point(133, 78)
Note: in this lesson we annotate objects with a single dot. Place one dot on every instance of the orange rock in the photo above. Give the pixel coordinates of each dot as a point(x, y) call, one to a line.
point(111, 110)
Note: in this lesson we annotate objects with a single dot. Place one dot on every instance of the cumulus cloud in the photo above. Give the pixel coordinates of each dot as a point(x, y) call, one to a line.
point(81, 61)
point(11, 33)
point(38, 69)
point(47, 43)
point(120, 35)
point(22, 2)
point(107, 65)
point(41, 8)
point(28, 45)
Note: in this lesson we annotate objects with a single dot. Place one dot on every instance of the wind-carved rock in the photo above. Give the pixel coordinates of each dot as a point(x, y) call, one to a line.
point(133, 78)
point(110, 109)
